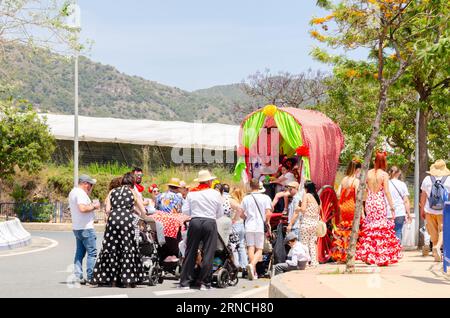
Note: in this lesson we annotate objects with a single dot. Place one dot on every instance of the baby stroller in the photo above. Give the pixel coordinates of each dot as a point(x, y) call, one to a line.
point(278, 224)
point(225, 272)
point(154, 251)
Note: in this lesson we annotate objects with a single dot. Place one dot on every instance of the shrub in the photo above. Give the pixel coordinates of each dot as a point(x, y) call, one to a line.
point(40, 212)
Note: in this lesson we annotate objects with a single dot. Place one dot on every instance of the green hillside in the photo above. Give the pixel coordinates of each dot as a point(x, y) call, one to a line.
point(46, 80)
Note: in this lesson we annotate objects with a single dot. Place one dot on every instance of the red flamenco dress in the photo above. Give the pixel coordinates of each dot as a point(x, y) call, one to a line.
point(378, 244)
point(343, 230)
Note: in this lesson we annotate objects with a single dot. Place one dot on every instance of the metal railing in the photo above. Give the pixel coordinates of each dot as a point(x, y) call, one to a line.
point(54, 212)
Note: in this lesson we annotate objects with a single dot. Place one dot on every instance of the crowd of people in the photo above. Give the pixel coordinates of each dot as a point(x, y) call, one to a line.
point(249, 211)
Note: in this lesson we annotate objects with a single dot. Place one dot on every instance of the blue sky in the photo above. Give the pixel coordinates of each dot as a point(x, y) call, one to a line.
point(198, 44)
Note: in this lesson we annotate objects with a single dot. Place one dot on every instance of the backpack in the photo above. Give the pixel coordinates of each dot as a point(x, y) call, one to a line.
point(438, 194)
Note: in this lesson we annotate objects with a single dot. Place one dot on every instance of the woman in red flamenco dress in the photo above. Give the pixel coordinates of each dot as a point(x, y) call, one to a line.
point(378, 244)
point(347, 200)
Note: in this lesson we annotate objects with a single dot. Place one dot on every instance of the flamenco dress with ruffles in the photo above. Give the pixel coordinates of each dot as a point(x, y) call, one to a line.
point(343, 230)
point(378, 244)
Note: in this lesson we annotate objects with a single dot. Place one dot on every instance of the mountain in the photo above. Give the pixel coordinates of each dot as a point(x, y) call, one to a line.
point(46, 80)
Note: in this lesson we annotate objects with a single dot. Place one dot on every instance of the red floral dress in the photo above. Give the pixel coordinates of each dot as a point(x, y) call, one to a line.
point(378, 244)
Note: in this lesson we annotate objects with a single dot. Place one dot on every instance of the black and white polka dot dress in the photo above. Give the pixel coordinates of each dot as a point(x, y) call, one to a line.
point(119, 260)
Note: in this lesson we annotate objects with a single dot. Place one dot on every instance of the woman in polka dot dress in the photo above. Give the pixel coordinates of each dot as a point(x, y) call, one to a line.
point(119, 262)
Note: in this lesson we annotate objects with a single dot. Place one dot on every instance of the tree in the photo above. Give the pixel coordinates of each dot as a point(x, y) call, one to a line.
point(40, 23)
point(284, 89)
point(35, 24)
point(350, 103)
point(430, 77)
point(25, 139)
point(384, 27)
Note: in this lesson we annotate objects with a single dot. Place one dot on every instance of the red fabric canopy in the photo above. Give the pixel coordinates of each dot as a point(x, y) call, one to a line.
point(325, 141)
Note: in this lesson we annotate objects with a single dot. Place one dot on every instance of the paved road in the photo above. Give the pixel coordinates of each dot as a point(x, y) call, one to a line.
point(45, 274)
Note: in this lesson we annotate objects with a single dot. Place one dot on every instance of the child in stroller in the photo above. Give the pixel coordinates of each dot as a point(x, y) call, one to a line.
point(155, 249)
point(224, 272)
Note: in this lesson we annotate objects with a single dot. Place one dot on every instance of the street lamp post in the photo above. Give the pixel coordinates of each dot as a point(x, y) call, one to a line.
point(75, 146)
point(74, 21)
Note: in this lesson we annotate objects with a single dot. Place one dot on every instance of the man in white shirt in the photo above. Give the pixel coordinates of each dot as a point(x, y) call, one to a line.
point(434, 218)
point(298, 256)
point(83, 217)
point(257, 208)
point(204, 206)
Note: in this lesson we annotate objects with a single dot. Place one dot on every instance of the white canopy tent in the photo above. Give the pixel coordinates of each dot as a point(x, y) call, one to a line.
point(173, 134)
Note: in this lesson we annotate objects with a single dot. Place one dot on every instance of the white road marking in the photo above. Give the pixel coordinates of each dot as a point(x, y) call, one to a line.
point(249, 293)
point(173, 292)
point(110, 296)
point(52, 245)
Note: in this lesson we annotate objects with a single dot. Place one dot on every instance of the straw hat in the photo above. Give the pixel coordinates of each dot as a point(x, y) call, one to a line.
point(439, 169)
point(205, 176)
point(174, 182)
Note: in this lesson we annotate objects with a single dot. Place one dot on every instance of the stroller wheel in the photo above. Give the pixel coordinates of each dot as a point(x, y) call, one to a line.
point(223, 278)
point(234, 279)
point(161, 280)
point(153, 276)
point(178, 272)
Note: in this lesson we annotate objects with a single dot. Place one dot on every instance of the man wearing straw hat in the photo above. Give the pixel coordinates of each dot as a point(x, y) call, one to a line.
point(204, 206)
point(433, 215)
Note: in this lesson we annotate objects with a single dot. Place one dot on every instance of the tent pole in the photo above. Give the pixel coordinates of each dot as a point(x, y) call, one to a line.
point(162, 156)
point(123, 155)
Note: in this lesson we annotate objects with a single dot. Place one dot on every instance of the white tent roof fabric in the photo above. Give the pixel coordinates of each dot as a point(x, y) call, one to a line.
point(174, 134)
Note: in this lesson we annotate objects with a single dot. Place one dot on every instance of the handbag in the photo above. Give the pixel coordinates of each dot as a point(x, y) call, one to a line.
point(322, 229)
point(268, 248)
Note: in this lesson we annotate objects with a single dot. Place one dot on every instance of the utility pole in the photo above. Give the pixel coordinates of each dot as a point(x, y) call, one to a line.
point(75, 146)
point(75, 22)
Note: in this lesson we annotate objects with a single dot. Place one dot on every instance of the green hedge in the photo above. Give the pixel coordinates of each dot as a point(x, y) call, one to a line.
point(61, 180)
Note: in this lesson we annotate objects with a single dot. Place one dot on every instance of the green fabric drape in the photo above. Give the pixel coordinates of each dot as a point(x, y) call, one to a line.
point(292, 135)
point(240, 167)
point(289, 129)
point(252, 129)
point(307, 168)
point(287, 149)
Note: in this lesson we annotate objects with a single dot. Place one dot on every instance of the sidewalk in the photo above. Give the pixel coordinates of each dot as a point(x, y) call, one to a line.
point(414, 277)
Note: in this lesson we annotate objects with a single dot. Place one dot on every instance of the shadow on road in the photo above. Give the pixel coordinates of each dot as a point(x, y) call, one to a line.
point(428, 280)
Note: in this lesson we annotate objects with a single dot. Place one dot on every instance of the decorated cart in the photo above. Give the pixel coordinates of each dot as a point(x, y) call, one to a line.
point(309, 138)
